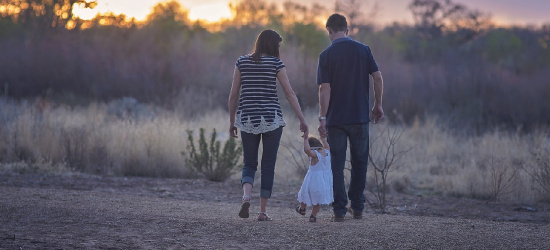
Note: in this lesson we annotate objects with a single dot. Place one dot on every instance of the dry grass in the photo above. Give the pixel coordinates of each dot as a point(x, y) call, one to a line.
point(95, 139)
point(139, 140)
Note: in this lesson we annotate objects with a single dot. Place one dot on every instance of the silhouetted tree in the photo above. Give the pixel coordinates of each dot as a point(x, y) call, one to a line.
point(253, 13)
point(43, 14)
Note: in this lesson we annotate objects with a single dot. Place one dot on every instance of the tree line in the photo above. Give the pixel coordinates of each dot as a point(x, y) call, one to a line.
point(453, 62)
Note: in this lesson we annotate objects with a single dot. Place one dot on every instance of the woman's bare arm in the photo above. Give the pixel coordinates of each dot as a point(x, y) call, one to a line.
point(233, 100)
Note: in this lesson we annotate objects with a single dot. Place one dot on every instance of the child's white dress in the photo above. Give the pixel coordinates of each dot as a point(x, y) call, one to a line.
point(317, 185)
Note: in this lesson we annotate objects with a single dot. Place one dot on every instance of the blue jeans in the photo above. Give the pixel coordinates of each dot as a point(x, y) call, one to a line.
point(270, 145)
point(358, 136)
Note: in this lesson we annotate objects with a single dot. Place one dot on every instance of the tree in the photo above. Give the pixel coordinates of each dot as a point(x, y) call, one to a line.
point(433, 17)
point(168, 12)
point(351, 9)
point(43, 14)
point(430, 15)
point(254, 13)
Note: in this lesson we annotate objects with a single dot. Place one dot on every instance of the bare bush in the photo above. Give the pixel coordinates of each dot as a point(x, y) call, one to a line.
point(384, 157)
point(539, 171)
point(296, 155)
point(502, 176)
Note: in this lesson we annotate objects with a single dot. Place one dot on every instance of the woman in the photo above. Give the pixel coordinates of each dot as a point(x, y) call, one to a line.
point(259, 115)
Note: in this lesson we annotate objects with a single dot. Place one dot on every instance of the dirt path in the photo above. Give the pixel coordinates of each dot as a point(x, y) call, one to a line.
point(90, 212)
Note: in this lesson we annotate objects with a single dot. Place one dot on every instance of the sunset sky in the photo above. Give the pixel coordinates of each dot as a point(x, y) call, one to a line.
point(504, 12)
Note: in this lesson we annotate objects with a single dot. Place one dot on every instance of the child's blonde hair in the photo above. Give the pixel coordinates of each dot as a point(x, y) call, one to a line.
point(314, 142)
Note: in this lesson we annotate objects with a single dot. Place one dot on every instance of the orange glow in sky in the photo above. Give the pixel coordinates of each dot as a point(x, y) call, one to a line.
point(210, 12)
point(504, 12)
point(205, 10)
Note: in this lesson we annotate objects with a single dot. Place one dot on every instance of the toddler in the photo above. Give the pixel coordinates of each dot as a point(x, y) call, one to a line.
point(317, 185)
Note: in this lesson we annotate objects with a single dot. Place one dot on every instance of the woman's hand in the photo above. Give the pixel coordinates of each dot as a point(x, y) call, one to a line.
point(233, 131)
point(304, 129)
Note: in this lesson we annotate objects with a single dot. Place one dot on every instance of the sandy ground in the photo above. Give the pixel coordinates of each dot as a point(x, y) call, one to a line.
point(94, 212)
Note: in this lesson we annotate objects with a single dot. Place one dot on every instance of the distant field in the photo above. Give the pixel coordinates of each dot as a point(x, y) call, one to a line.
point(129, 139)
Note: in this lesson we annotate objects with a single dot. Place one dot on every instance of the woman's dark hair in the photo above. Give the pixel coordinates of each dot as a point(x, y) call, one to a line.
point(337, 22)
point(314, 142)
point(267, 43)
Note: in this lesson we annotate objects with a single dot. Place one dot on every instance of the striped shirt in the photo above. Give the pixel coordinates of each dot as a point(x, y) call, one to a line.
point(259, 110)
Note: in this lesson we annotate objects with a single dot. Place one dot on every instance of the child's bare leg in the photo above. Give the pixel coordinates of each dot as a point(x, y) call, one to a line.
point(315, 210)
point(301, 209)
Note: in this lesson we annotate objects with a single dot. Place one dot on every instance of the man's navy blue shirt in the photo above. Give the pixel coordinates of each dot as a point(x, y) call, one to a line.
point(347, 65)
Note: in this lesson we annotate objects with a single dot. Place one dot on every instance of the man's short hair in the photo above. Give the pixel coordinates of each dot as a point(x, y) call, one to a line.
point(337, 22)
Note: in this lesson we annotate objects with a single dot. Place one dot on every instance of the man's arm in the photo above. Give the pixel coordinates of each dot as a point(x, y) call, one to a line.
point(324, 99)
point(378, 87)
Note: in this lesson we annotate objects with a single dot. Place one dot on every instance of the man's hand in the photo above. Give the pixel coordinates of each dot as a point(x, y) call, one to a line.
point(322, 128)
point(377, 113)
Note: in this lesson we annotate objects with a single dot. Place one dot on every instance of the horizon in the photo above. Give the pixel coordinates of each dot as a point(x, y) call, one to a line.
point(503, 13)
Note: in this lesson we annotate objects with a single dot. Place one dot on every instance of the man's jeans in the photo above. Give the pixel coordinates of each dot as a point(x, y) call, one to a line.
point(270, 146)
point(358, 136)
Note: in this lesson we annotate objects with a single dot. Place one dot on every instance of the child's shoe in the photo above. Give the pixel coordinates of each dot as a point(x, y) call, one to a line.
point(300, 211)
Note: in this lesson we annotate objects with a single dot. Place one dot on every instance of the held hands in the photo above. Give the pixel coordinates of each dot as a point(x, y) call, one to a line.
point(304, 129)
point(322, 128)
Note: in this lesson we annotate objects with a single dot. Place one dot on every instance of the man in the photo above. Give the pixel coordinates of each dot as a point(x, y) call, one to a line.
point(343, 78)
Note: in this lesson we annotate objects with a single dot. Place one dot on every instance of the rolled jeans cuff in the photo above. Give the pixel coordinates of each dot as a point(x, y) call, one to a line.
point(265, 193)
point(247, 179)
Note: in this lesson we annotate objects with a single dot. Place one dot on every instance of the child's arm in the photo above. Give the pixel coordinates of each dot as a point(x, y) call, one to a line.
point(308, 150)
point(325, 143)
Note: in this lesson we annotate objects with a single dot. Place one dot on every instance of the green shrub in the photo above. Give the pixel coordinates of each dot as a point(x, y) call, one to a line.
point(207, 159)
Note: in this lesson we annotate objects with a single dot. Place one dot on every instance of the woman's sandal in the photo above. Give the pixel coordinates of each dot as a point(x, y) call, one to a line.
point(264, 218)
point(300, 211)
point(312, 218)
point(244, 207)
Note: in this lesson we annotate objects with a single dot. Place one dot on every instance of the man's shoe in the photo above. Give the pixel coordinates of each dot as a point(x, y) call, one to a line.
point(335, 218)
point(356, 215)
